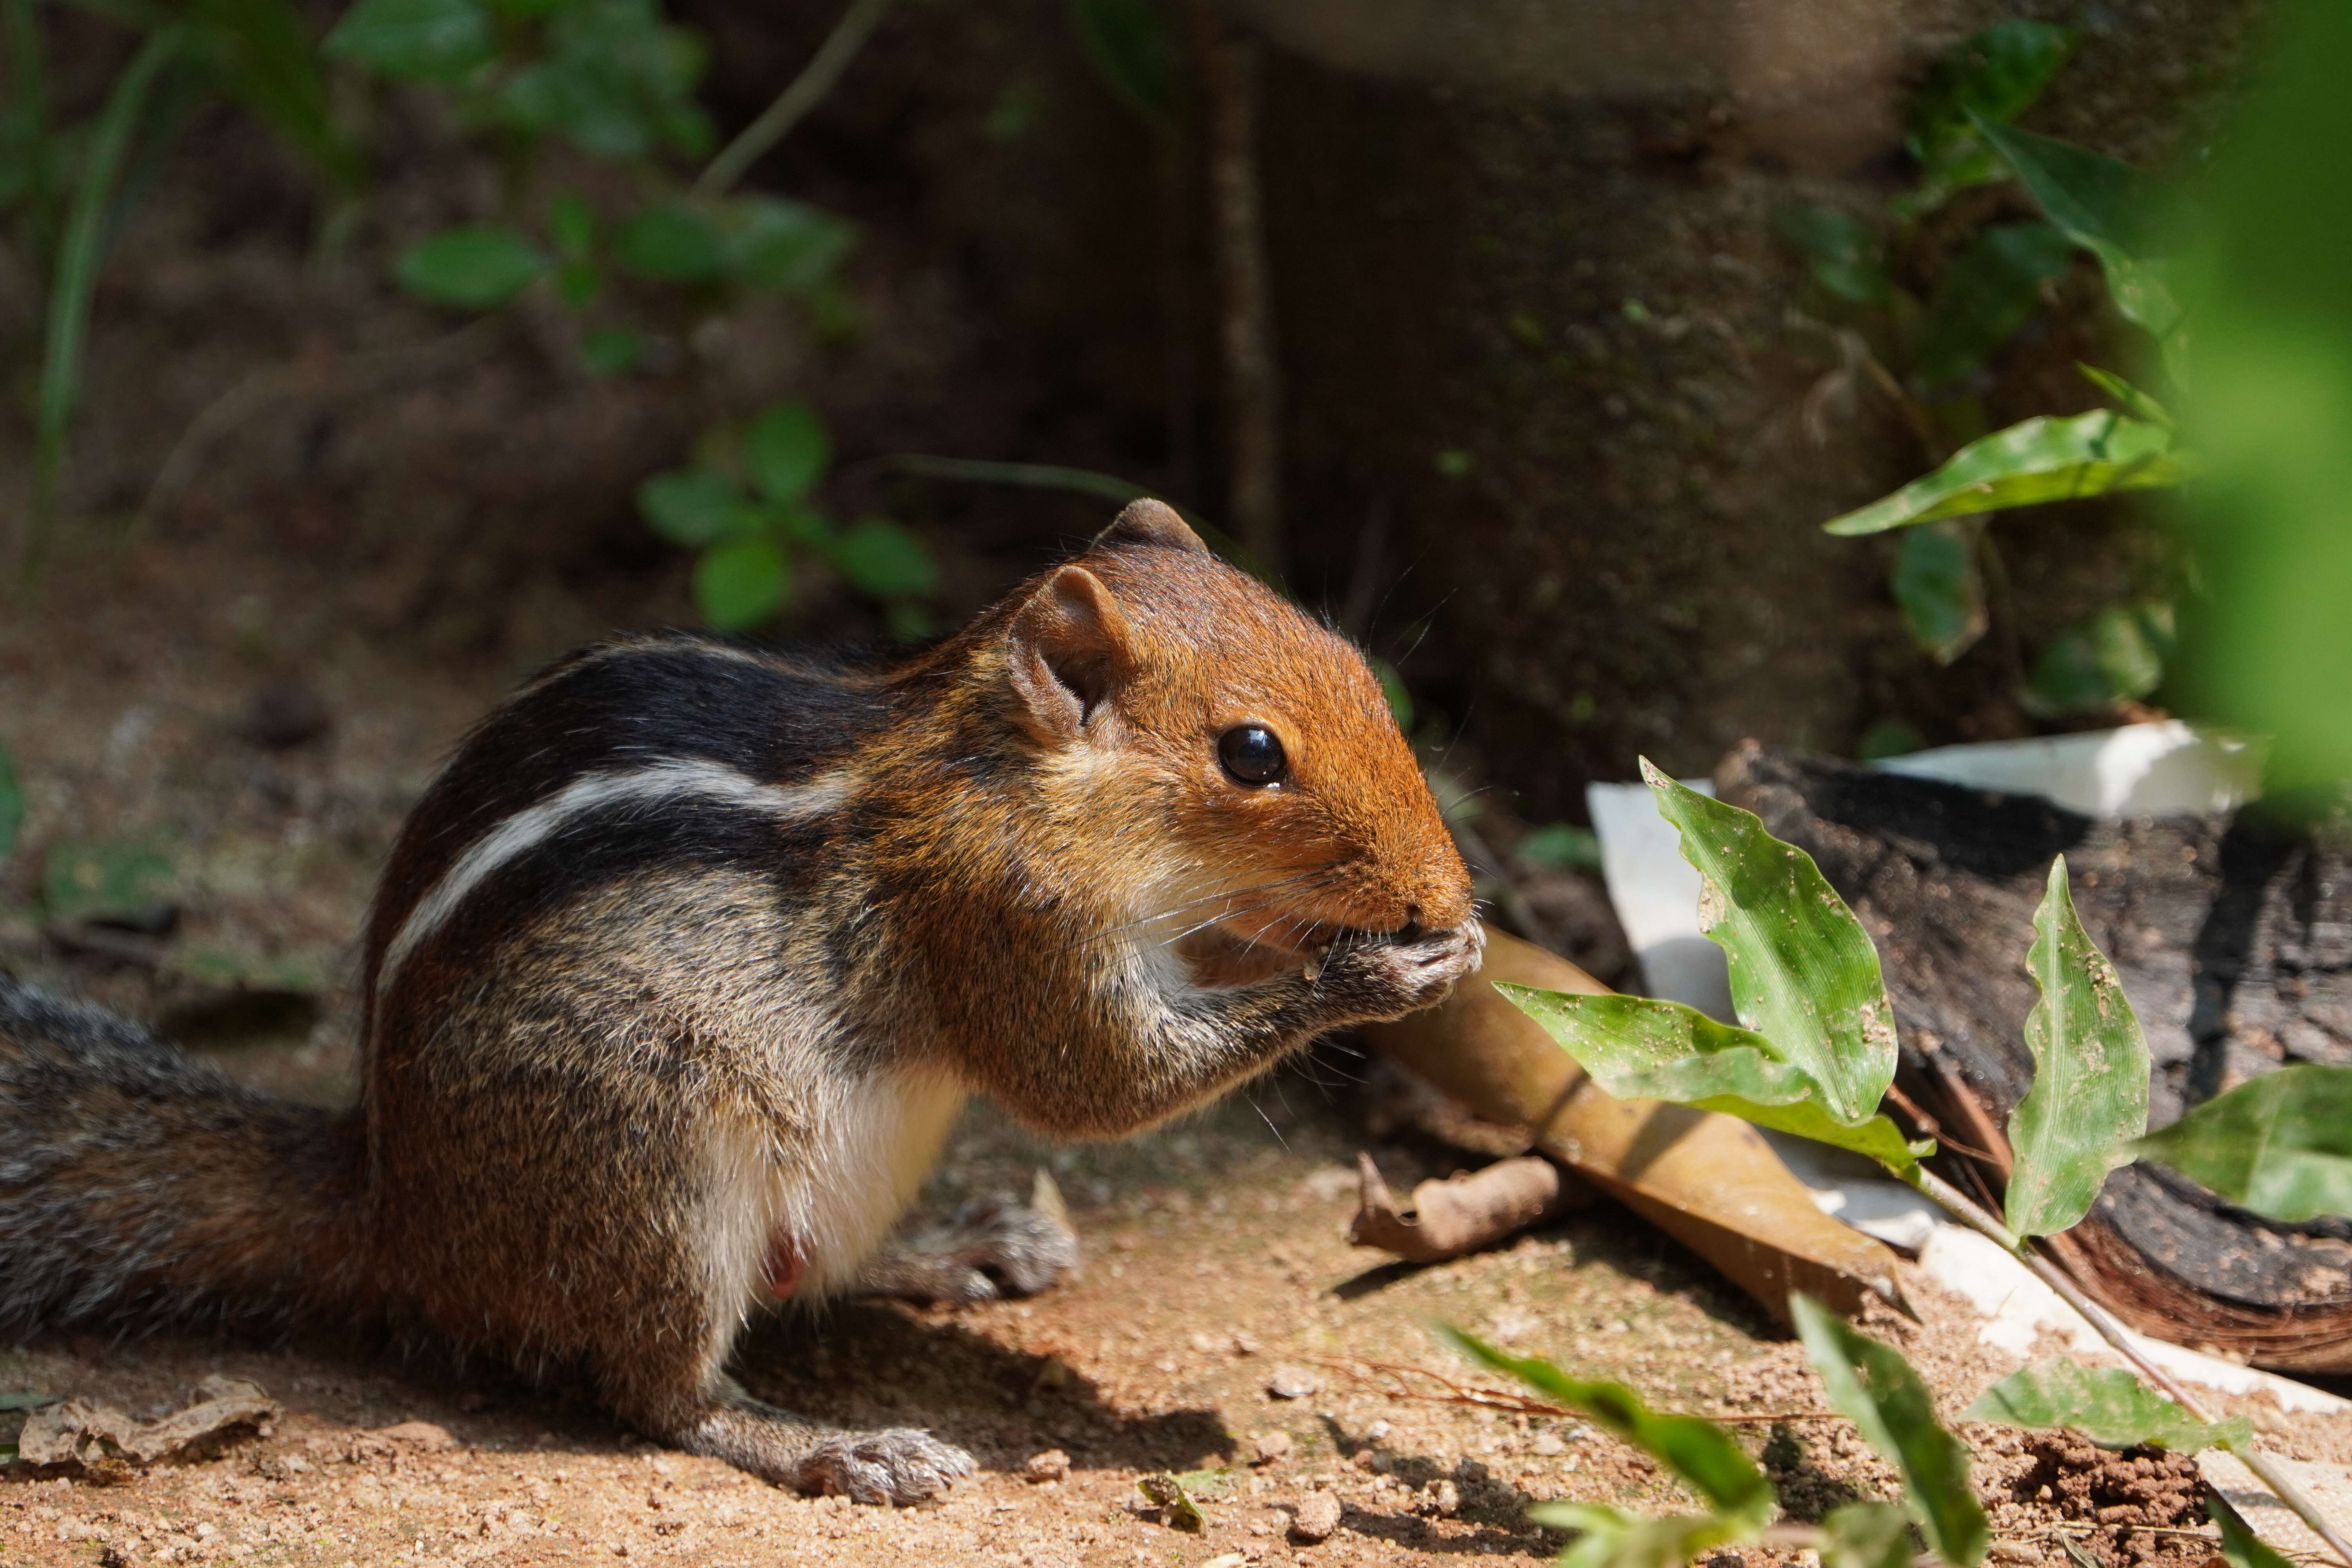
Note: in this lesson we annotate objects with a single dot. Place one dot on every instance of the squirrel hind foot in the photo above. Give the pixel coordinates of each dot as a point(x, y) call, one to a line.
point(986, 1252)
point(898, 1466)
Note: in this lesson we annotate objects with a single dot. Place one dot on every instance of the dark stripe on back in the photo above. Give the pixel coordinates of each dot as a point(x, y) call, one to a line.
point(682, 696)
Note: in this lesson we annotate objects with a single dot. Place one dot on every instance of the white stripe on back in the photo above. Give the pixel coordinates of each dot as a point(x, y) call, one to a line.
point(653, 785)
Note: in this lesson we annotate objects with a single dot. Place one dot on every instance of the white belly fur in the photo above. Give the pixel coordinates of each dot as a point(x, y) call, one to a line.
point(877, 1139)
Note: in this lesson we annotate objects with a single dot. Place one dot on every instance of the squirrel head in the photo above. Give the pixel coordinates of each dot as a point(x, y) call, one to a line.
point(1224, 748)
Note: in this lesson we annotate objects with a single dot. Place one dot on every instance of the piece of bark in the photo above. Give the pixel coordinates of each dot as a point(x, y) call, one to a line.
point(1708, 1180)
point(2233, 939)
point(1464, 1212)
point(101, 1438)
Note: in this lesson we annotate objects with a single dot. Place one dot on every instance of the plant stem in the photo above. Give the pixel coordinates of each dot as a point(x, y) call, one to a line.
point(79, 259)
point(804, 92)
point(2111, 1329)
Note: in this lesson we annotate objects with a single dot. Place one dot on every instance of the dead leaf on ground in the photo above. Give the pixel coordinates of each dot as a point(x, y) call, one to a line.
point(1461, 1212)
point(102, 1438)
point(1709, 1181)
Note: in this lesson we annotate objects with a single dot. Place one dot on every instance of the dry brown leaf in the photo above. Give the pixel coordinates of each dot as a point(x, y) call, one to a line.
point(102, 1437)
point(1709, 1181)
point(1464, 1212)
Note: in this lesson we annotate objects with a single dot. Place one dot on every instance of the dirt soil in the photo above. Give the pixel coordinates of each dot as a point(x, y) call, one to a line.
point(146, 698)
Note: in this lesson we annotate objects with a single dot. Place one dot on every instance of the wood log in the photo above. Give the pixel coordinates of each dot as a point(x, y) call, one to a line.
point(2233, 936)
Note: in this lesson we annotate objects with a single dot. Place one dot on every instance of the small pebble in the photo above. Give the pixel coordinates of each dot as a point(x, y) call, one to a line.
point(1273, 1445)
point(1549, 1446)
point(1052, 1465)
point(423, 1435)
point(1314, 1519)
point(1291, 1382)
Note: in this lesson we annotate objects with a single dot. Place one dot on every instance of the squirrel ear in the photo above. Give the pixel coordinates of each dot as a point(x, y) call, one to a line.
point(1070, 649)
point(1148, 521)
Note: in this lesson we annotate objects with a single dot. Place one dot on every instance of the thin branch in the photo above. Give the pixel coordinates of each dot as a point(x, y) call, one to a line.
point(804, 92)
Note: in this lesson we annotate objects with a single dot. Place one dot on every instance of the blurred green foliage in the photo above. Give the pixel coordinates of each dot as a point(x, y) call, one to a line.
point(2268, 645)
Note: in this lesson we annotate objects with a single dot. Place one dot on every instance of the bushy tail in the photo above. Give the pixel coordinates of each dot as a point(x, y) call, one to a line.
point(137, 1182)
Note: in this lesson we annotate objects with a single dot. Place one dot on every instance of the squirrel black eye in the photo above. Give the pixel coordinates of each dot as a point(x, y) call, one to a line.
point(1252, 755)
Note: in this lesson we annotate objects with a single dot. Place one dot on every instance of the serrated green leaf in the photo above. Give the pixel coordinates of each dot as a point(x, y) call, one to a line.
point(443, 41)
point(1986, 291)
point(2109, 1405)
point(1610, 1537)
point(743, 583)
point(1701, 1453)
point(2089, 1098)
point(1866, 1535)
point(2280, 1144)
point(695, 507)
point(473, 268)
point(1638, 1047)
point(2045, 458)
point(1872, 1386)
point(1939, 589)
point(672, 244)
point(12, 804)
point(2241, 1547)
point(1844, 254)
point(1129, 44)
point(1804, 974)
point(2139, 404)
point(786, 246)
point(882, 558)
point(786, 450)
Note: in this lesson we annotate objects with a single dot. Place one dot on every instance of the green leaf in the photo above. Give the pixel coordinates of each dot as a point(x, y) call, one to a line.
point(1866, 1535)
point(786, 246)
point(672, 244)
point(616, 81)
point(1872, 1386)
point(2280, 1144)
point(2045, 458)
point(1985, 293)
point(1998, 72)
point(572, 225)
point(1938, 587)
point(2089, 1098)
point(2109, 1405)
point(740, 583)
point(1610, 1537)
point(882, 558)
point(2135, 403)
point(2104, 206)
point(695, 507)
point(12, 804)
point(1804, 974)
point(1704, 1455)
point(1844, 254)
point(27, 1401)
point(1558, 846)
point(1129, 44)
point(609, 350)
point(260, 52)
point(2241, 1547)
point(2118, 655)
point(786, 450)
point(1393, 689)
point(473, 268)
point(442, 41)
point(79, 880)
point(1888, 738)
point(1637, 1047)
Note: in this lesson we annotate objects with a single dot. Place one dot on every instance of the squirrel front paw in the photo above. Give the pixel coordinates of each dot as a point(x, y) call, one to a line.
point(1366, 978)
point(898, 1466)
point(988, 1250)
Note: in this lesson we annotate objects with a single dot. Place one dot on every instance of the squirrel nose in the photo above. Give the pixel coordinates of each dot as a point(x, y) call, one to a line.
point(1411, 930)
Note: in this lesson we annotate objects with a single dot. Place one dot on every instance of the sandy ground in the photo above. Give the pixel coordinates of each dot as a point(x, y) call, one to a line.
point(1216, 1262)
